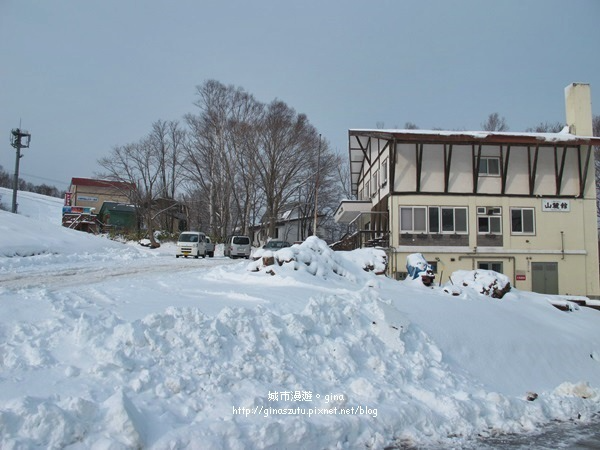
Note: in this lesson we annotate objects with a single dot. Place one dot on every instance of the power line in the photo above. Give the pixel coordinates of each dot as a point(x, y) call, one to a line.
point(66, 183)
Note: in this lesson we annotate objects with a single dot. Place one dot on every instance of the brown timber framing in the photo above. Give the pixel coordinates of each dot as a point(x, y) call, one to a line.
point(447, 164)
point(476, 163)
point(360, 156)
point(559, 170)
point(366, 152)
point(504, 167)
point(583, 173)
point(419, 165)
point(532, 167)
point(392, 164)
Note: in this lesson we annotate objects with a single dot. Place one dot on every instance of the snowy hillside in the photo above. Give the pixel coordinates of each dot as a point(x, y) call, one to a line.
point(107, 345)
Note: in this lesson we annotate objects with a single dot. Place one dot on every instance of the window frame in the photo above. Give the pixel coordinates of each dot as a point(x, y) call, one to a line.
point(441, 219)
point(487, 172)
point(434, 222)
point(384, 170)
point(490, 263)
point(490, 216)
point(522, 232)
point(413, 230)
point(375, 183)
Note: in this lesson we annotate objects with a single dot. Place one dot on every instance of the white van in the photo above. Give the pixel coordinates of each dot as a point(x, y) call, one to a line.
point(191, 243)
point(237, 247)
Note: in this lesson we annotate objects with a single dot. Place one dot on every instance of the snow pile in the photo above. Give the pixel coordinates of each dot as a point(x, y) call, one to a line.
point(485, 282)
point(316, 258)
point(348, 370)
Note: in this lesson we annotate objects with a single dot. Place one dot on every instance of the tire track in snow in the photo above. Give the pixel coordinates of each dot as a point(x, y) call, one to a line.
point(52, 278)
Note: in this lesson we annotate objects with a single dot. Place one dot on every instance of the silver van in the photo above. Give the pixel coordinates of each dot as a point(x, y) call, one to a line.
point(237, 247)
point(191, 243)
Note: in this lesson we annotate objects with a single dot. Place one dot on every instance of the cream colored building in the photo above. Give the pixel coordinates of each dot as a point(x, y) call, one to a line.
point(91, 193)
point(523, 204)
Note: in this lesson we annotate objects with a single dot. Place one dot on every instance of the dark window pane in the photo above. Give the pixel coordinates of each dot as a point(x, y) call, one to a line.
point(447, 219)
point(515, 217)
point(434, 219)
point(495, 225)
point(493, 166)
point(483, 169)
point(484, 225)
point(528, 226)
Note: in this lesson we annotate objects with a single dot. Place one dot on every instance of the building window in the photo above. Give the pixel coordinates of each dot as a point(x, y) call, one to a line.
point(384, 172)
point(367, 190)
point(489, 166)
point(454, 220)
point(446, 219)
point(361, 195)
point(496, 266)
point(489, 220)
point(522, 221)
point(434, 219)
point(375, 182)
point(434, 266)
point(412, 219)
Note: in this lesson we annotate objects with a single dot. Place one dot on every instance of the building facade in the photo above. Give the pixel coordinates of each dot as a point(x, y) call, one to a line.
point(523, 204)
point(91, 193)
point(85, 199)
point(293, 225)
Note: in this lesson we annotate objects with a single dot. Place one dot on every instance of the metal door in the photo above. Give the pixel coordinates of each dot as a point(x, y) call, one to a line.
point(544, 277)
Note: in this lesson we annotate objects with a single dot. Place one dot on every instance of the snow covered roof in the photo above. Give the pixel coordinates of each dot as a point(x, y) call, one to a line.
point(101, 183)
point(478, 137)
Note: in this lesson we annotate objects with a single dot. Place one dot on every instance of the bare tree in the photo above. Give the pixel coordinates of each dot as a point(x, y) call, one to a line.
point(286, 143)
point(140, 165)
point(546, 127)
point(218, 155)
point(495, 123)
point(167, 138)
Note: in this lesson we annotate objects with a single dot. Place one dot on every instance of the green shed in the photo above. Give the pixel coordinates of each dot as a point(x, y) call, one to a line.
point(117, 216)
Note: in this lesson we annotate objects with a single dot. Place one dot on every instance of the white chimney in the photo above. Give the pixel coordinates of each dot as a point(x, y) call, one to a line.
point(578, 102)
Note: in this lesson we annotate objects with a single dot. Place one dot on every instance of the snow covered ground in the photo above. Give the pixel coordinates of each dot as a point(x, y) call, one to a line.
point(106, 346)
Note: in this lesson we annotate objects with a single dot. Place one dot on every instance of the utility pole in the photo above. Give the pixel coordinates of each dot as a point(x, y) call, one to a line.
point(317, 187)
point(19, 139)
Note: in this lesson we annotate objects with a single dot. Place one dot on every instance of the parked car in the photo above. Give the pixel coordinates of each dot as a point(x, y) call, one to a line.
point(237, 247)
point(191, 243)
point(276, 245)
point(210, 247)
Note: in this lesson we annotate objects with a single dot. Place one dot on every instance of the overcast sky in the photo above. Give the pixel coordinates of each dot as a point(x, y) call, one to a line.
point(82, 77)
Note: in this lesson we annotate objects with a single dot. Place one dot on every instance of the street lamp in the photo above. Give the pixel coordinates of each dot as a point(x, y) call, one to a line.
point(19, 139)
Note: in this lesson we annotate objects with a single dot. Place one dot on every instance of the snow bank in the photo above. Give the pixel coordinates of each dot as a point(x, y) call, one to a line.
point(350, 372)
point(37, 238)
point(37, 229)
